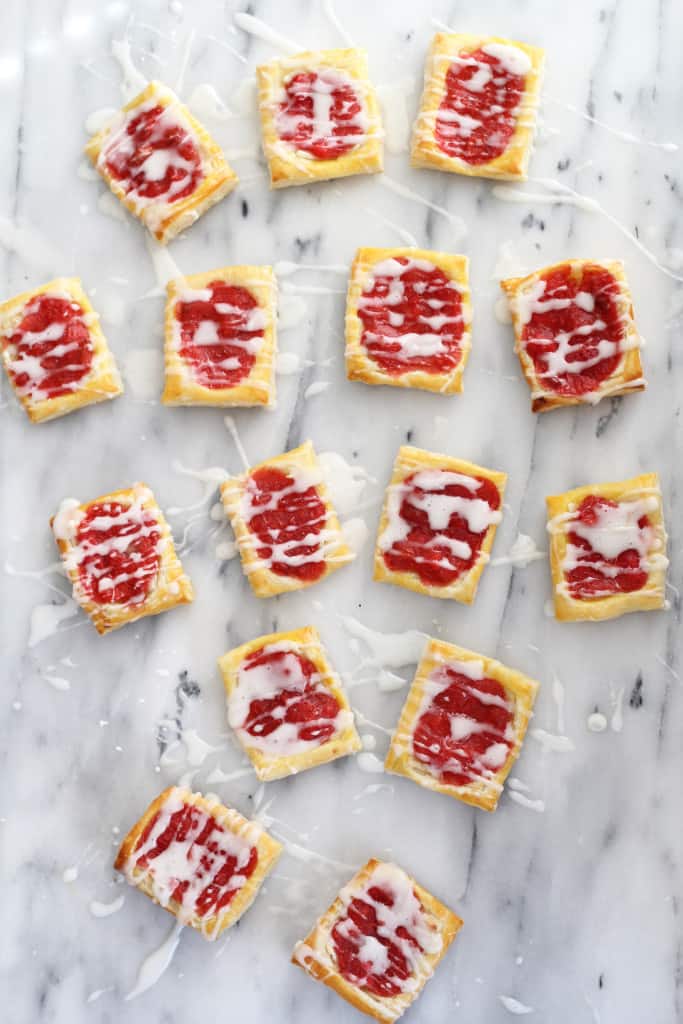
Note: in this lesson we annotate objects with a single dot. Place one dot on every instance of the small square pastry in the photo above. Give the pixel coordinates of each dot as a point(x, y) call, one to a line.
point(119, 555)
point(408, 315)
point(438, 524)
point(608, 549)
point(199, 860)
point(575, 334)
point(219, 338)
point(286, 704)
point(462, 725)
point(286, 529)
point(320, 117)
point(478, 111)
point(161, 162)
point(53, 349)
point(380, 942)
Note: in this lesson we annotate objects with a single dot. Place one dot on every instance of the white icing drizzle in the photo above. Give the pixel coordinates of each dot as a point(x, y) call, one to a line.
point(143, 372)
point(439, 509)
point(255, 27)
point(207, 105)
point(514, 1006)
point(667, 147)
point(268, 681)
point(615, 531)
point(154, 965)
point(98, 909)
point(406, 237)
point(522, 553)
point(405, 914)
point(231, 427)
point(184, 860)
point(552, 742)
point(596, 722)
point(392, 650)
point(329, 11)
point(394, 99)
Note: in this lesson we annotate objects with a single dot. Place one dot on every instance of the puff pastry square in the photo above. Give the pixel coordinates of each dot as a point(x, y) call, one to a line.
point(161, 162)
point(438, 524)
point(53, 349)
point(608, 549)
point(408, 315)
point(380, 942)
point(199, 860)
point(478, 111)
point(462, 725)
point(219, 338)
point(286, 704)
point(119, 555)
point(575, 334)
point(320, 117)
point(286, 529)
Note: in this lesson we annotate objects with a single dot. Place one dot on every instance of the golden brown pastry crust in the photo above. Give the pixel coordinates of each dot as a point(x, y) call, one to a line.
point(264, 582)
point(361, 366)
point(313, 956)
point(651, 597)
point(513, 163)
point(483, 793)
point(345, 741)
point(258, 387)
point(627, 377)
point(171, 588)
point(268, 852)
point(100, 384)
point(288, 166)
point(166, 220)
point(408, 461)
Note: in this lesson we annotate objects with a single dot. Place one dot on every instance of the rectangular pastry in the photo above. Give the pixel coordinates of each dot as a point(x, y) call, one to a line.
point(408, 315)
point(438, 524)
point(287, 704)
point(119, 555)
point(219, 338)
point(608, 549)
point(462, 725)
point(199, 860)
point(53, 349)
point(319, 117)
point(380, 942)
point(286, 529)
point(575, 334)
point(478, 111)
point(161, 162)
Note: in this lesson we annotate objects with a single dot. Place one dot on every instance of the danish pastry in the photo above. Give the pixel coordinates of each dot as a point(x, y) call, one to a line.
point(478, 111)
point(161, 163)
point(200, 861)
point(53, 349)
point(462, 725)
point(408, 316)
point(438, 524)
point(608, 549)
point(220, 341)
point(286, 704)
point(319, 117)
point(380, 942)
point(119, 555)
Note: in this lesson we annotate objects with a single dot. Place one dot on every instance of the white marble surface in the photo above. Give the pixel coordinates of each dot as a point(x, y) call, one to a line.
point(573, 911)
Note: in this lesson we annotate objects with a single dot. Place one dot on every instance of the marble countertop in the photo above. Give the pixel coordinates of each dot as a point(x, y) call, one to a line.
point(571, 896)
